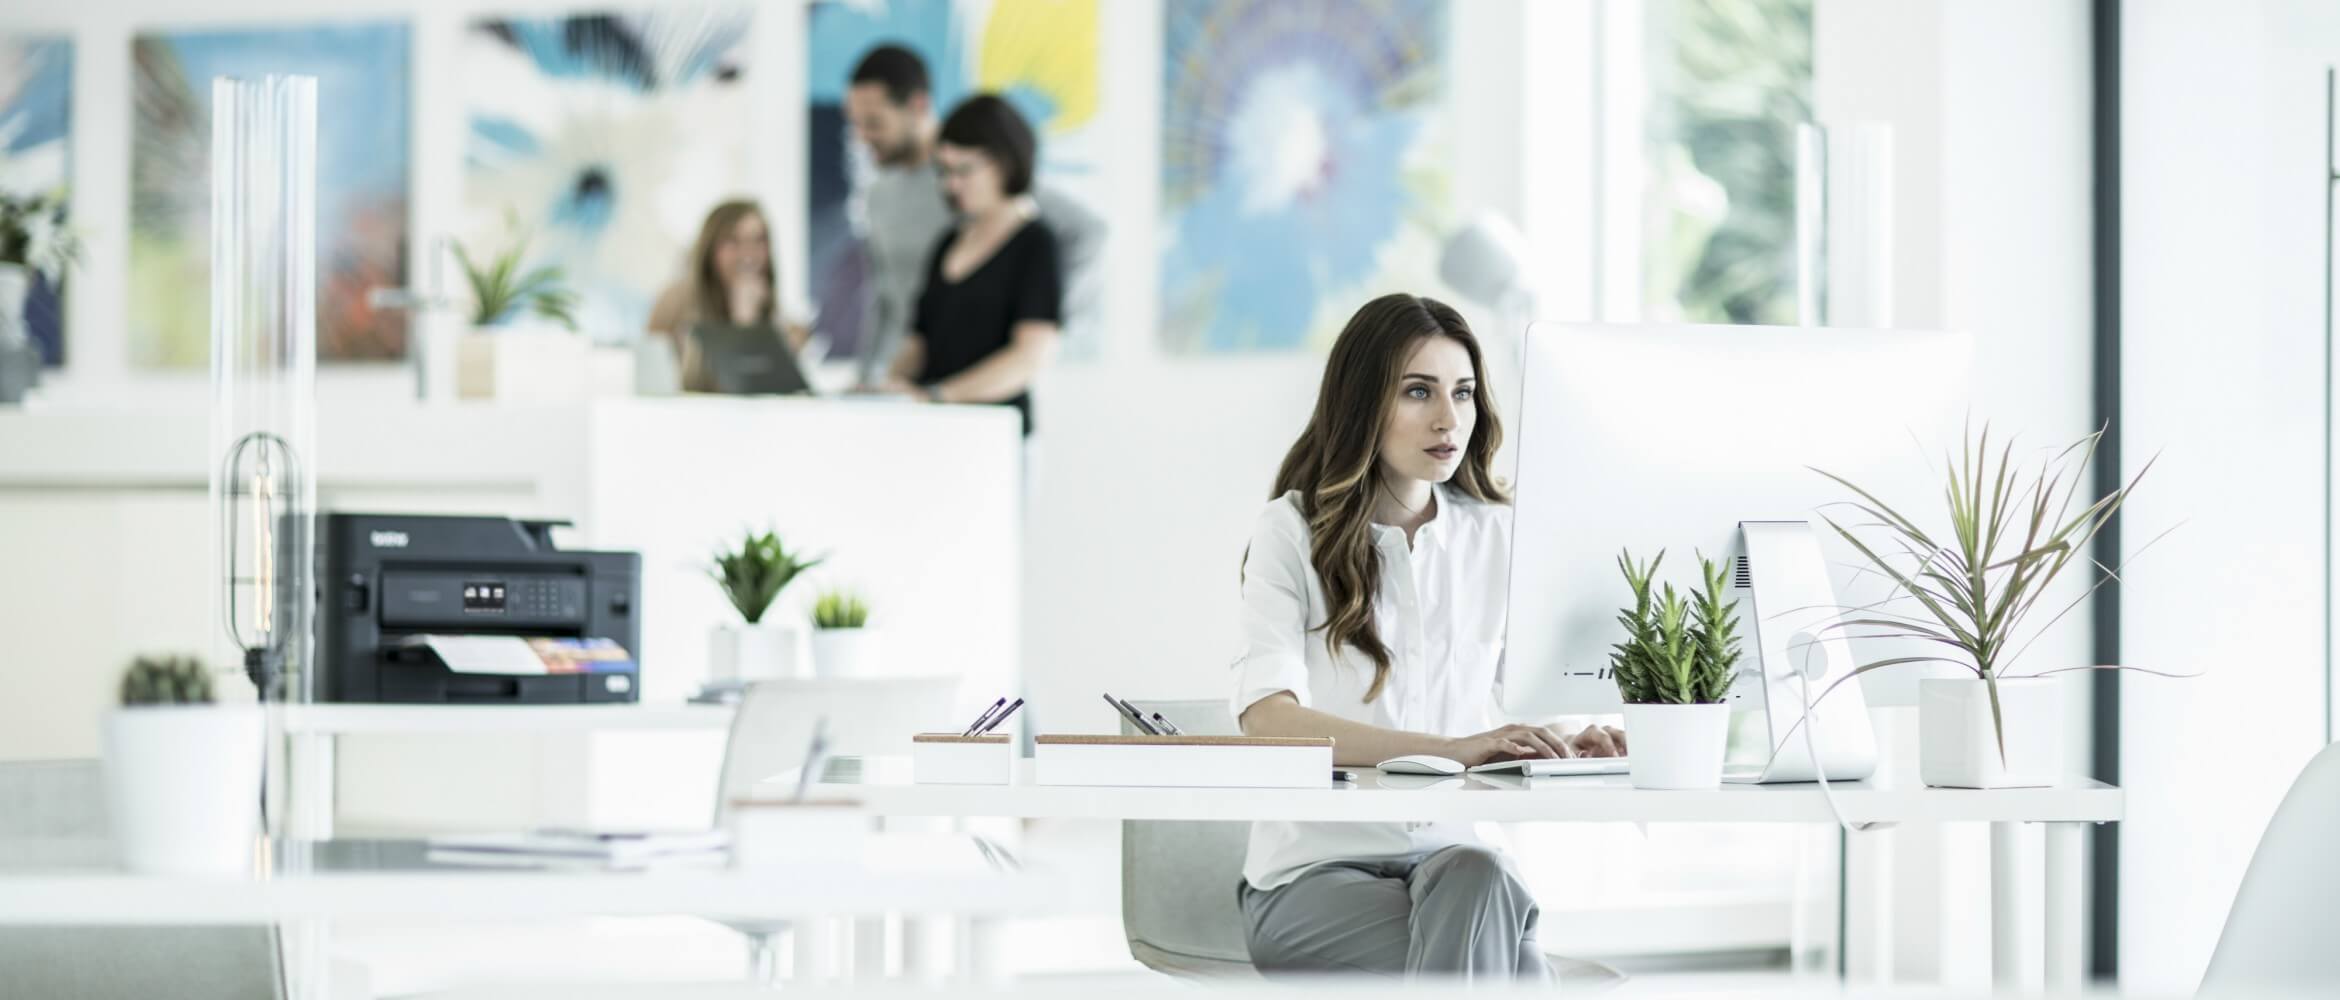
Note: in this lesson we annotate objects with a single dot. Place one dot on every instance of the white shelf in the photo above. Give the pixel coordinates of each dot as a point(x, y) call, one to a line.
point(341, 720)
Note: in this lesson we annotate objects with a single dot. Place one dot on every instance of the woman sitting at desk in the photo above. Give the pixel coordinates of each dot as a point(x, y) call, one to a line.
point(1373, 612)
point(729, 284)
point(987, 320)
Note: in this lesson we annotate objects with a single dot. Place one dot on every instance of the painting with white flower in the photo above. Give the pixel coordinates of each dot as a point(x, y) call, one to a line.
point(608, 138)
point(36, 82)
point(1302, 167)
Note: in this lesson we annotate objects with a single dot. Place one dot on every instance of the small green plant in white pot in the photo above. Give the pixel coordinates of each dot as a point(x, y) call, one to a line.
point(183, 775)
point(843, 644)
point(2012, 530)
point(752, 576)
point(1674, 671)
point(523, 343)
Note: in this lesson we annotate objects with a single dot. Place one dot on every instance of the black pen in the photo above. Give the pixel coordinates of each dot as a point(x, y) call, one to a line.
point(1001, 717)
point(978, 723)
point(1143, 726)
point(1129, 713)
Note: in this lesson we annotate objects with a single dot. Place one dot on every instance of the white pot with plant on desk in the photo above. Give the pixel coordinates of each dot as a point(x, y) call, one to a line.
point(843, 644)
point(183, 775)
point(752, 576)
point(2011, 530)
point(523, 345)
point(1674, 671)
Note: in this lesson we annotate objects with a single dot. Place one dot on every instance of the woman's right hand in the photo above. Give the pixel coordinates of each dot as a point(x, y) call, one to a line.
point(1510, 743)
point(748, 294)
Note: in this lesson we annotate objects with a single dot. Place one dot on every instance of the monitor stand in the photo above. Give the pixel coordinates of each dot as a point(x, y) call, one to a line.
point(1788, 603)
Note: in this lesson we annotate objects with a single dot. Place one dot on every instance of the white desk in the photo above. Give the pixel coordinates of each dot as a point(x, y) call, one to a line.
point(75, 883)
point(883, 785)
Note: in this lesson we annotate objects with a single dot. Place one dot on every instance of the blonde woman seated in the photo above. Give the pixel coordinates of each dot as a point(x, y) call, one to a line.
point(729, 284)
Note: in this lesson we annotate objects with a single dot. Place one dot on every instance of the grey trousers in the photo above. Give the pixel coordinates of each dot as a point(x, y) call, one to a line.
point(1456, 912)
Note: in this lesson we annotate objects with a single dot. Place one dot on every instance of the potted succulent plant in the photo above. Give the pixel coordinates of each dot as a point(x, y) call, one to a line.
point(1674, 671)
point(183, 775)
point(34, 240)
point(523, 342)
point(843, 644)
point(2012, 530)
point(752, 576)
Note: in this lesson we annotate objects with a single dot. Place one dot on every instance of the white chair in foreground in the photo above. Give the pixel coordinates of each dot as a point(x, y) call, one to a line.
point(2279, 935)
point(774, 726)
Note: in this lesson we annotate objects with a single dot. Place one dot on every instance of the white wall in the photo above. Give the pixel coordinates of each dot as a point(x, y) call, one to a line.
point(2223, 195)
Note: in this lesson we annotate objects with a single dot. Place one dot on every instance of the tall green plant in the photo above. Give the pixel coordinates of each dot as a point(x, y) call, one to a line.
point(2012, 530)
point(1676, 651)
point(753, 574)
point(500, 288)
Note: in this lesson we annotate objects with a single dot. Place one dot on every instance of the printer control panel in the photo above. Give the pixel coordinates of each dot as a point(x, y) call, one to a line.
point(438, 598)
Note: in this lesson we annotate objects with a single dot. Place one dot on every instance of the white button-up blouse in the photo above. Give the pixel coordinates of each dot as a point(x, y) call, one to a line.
point(1439, 608)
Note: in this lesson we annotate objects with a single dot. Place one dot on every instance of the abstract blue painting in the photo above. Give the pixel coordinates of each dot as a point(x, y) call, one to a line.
point(608, 138)
point(36, 115)
point(1303, 172)
point(362, 125)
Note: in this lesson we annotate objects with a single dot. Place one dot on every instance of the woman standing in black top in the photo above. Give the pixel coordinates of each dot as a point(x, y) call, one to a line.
point(988, 319)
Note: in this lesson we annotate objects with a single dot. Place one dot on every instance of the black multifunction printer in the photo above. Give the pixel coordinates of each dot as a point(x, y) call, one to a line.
point(482, 610)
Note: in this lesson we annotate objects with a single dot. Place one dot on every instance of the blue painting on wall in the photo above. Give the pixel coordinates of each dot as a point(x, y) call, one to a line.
point(362, 126)
point(1303, 172)
point(36, 116)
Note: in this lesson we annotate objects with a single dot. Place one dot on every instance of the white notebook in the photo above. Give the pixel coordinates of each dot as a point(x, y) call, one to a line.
point(619, 848)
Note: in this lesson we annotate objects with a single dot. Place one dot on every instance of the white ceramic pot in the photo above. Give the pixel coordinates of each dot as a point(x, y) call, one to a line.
point(755, 652)
point(846, 652)
point(1677, 746)
point(183, 783)
point(1959, 748)
point(520, 364)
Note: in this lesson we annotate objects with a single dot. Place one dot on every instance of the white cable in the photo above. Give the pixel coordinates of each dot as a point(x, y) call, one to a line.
point(1812, 747)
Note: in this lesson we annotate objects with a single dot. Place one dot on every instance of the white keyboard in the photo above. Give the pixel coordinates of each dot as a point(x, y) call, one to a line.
point(1553, 767)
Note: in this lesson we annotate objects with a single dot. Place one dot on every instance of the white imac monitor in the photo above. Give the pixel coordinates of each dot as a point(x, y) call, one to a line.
point(1705, 438)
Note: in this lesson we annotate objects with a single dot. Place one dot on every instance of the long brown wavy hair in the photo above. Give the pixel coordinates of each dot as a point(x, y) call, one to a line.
point(710, 301)
point(1334, 464)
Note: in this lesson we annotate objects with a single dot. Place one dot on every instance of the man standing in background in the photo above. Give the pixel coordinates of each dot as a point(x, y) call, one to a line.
point(890, 107)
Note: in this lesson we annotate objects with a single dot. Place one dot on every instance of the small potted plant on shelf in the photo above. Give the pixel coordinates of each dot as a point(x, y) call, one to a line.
point(843, 645)
point(752, 575)
point(523, 342)
point(2012, 531)
point(1674, 671)
point(183, 775)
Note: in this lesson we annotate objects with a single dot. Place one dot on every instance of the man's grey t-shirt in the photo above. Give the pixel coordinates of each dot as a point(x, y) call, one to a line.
point(907, 214)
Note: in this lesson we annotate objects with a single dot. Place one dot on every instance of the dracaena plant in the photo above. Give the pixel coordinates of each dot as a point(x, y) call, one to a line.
point(500, 288)
point(2013, 528)
point(1676, 651)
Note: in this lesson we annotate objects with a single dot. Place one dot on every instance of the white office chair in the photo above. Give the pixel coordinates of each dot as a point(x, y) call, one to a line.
point(2278, 936)
point(774, 725)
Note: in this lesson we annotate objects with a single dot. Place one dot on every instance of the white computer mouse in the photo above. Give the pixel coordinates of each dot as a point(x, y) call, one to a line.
point(1421, 763)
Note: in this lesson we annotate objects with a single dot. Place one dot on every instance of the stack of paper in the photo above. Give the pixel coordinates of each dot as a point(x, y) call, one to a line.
point(582, 848)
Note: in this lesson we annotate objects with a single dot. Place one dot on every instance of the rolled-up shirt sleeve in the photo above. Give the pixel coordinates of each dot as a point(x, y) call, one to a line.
point(1275, 612)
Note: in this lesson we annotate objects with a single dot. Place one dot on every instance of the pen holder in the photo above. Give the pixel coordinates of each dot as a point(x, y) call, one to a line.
point(777, 833)
point(952, 759)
